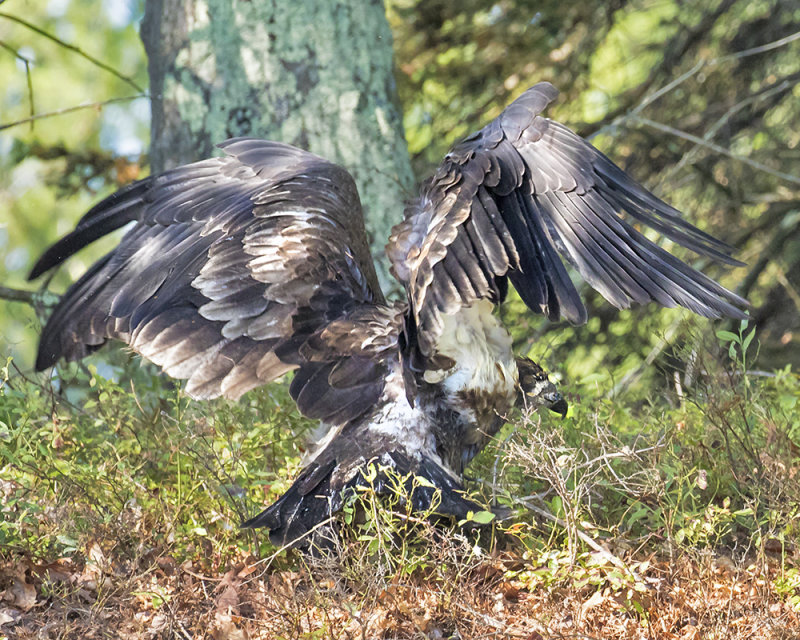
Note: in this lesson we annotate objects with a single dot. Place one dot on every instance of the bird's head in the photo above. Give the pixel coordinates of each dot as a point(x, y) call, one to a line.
point(535, 390)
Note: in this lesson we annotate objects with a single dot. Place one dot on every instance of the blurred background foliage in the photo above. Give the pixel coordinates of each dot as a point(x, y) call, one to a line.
point(54, 168)
point(697, 100)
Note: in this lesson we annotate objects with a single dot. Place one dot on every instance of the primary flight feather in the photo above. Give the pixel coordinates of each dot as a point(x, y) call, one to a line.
point(241, 268)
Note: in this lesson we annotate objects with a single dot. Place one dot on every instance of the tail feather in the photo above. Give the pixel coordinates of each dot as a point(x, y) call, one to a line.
point(302, 517)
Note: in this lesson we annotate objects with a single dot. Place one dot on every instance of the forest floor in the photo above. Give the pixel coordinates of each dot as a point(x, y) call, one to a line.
point(153, 597)
point(118, 514)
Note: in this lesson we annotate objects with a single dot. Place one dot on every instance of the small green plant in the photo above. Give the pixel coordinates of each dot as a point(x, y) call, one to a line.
point(713, 472)
point(125, 460)
point(712, 526)
point(380, 515)
point(787, 585)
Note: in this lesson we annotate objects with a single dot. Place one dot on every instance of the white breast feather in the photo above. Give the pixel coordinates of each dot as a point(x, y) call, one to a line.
point(481, 348)
point(404, 423)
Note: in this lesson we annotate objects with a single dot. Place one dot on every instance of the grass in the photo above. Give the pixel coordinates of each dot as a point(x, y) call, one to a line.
point(630, 518)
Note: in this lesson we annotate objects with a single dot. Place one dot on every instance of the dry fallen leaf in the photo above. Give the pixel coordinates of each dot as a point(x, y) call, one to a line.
point(228, 599)
point(595, 601)
point(225, 628)
point(21, 594)
point(9, 616)
point(510, 591)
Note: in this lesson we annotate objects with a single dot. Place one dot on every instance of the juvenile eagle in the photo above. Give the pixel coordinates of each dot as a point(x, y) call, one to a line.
point(241, 268)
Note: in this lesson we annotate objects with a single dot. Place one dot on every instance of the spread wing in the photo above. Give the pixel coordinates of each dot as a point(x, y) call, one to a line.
point(513, 199)
point(236, 270)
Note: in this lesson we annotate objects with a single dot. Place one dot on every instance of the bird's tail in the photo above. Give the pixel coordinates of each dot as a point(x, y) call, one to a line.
point(304, 516)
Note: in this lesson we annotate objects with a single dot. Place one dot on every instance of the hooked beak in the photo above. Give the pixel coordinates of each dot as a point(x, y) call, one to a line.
point(555, 402)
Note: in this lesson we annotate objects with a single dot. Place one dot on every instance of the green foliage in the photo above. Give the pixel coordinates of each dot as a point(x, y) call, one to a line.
point(383, 525)
point(85, 458)
point(458, 65)
point(788, 586)
point(380, 546)
point(715, 474)
point(53, 170)
point(621, 69)
point(127, 463)
point(675, 449)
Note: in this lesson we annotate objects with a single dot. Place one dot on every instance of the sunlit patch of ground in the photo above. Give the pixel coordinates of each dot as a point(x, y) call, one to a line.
point(104, 597)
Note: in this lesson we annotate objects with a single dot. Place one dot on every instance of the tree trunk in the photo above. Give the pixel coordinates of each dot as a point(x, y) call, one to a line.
point(314, 73)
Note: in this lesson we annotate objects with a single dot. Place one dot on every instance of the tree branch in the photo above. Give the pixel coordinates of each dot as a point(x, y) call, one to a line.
point(29, 80)
point(36, 299)
point(619, 115)
point(71, 47)
point(713, 147)
point(760, 49)
point(60, 112)
point(768, 97)
point(17, 295)
point(676, 50)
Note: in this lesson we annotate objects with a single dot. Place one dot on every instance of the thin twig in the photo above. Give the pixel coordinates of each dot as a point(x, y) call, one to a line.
point(267, 562)
point(497, 457)
point(183, 629)
point(17, 295)
point(633, 375)
point(658, 126)
point(669, 87)
point(700, 65)
point(494, 622)
point(759, 49)
point(605, 553)
point(627, 455)
point(777, 88)
point(72, 47)
point(676, 50)
point(27, 62)
point(793, 293)
point(60, 112)
point(201, 577)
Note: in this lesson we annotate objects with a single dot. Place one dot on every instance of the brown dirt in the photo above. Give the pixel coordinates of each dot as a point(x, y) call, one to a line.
point(155, 598)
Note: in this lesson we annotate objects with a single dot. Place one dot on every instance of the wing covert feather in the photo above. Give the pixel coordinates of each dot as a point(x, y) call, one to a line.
point(232, 267)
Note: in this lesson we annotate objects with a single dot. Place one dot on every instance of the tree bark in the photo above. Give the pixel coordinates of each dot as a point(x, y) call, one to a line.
point(317, 74)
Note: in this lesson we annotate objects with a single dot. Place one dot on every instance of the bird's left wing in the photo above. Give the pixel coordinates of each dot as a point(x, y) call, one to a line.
point(236, 270)
point(513, 199)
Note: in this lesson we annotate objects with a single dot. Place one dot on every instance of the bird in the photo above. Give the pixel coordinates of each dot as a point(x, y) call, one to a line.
point(239, 269)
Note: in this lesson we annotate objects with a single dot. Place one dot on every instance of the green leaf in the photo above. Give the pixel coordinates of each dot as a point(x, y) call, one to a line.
point(727, 336)
point(424, 482)
point(637, 515)
point(483, 517)
point(748, 339)
point(69, 543)
point(556, 506)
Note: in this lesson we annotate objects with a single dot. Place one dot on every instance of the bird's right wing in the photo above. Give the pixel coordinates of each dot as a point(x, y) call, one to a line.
point(236, 270)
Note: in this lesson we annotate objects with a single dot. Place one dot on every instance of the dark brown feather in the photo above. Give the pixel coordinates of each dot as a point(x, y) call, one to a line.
point(234, 267)
point(524, 190)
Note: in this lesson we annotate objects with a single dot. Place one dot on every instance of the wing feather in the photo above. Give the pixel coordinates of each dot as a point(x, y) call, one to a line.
point(488, 246)
point(233, 272)
point(524, 193)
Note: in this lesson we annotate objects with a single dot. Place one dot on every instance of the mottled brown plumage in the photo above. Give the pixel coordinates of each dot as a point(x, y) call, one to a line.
point(239, 269)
